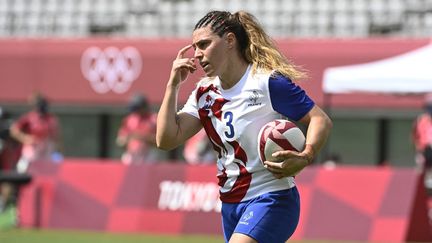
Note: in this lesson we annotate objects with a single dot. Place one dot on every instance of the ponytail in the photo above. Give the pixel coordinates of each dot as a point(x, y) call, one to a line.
point(255, 46)
point(262, 51)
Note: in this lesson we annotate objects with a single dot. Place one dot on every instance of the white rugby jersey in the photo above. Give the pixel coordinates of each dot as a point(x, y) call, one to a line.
point(232, 119)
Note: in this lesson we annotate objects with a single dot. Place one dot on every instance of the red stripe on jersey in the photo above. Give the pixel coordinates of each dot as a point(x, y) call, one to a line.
point(217, 107)
point(203, 90)
point(240, 187)
point(239, 153)
point(211, 132)
point(222, 178)
point(242, 183)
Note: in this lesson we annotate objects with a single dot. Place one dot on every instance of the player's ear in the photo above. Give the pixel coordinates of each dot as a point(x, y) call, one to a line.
point(230, 39)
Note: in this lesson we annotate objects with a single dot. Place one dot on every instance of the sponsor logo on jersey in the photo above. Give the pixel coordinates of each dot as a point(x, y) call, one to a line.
point(208, 102)
point(253, 98)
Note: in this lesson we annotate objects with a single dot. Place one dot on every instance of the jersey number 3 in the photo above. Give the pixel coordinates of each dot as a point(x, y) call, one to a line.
point(228, 116)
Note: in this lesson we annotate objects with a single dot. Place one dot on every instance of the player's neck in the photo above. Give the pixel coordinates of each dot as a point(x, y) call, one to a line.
point(233, 74)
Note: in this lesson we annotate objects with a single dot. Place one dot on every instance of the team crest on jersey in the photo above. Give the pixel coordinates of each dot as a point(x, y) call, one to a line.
point(254, 98)
point(208, 102)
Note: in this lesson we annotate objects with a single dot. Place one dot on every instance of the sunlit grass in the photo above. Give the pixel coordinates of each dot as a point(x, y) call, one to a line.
point(68, 236)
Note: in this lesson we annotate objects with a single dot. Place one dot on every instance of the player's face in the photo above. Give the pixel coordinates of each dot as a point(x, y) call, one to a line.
point(210, 51)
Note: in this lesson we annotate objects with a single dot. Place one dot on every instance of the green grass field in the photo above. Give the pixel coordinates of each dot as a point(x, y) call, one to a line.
point(64, 236)
point(11, 234)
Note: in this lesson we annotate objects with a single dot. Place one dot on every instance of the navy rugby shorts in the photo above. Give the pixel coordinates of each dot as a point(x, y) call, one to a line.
point(269, 218)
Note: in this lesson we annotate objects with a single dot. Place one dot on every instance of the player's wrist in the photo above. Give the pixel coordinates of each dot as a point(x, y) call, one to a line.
point(309, 153)
point(173, 86)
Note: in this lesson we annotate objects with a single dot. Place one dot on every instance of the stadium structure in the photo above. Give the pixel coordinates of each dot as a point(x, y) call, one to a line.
point(50, 46)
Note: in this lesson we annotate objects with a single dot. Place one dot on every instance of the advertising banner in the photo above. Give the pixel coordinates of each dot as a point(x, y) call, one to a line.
point(108, 71)
point(345, 203)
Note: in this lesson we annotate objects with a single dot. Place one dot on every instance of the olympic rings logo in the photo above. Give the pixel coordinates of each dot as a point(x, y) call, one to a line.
point(111, 69)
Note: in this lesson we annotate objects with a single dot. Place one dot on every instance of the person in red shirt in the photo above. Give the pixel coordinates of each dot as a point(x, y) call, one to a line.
point(9, 148)
point(422, 138)
point(137, 132)
point(199, 150)
point(39, 133)
point(9, 155)
point(422, 133)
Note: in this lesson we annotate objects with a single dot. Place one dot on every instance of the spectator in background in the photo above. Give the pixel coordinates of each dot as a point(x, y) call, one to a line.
point(332, 161)
point(137, 132)
point(422, 138)
point(39, 133)
point(9, 147)
point(9, 155)
point(198, 149)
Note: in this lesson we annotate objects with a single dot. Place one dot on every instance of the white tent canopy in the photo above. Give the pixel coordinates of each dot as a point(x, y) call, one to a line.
point(410, 72)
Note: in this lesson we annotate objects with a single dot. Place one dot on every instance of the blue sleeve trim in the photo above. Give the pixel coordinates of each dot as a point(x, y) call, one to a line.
point(288, 98)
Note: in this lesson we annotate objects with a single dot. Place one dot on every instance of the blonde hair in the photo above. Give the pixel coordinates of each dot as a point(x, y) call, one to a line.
point(255, 46)
point(262, 51)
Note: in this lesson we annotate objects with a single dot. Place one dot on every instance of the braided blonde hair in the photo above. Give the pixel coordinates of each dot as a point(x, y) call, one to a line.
point(255, 46)
point(262, 51)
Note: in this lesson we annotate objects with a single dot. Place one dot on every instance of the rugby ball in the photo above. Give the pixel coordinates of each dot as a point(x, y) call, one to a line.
point(279, 135)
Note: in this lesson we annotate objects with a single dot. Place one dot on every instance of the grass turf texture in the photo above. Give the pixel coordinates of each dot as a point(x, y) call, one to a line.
point(66, 236)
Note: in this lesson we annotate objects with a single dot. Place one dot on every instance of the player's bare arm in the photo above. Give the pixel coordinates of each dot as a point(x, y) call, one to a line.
point(174, 128)
point(21, 136)
point(319, 126)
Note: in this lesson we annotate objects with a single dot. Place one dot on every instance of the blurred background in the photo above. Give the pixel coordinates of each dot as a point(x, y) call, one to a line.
point(40, 29)
point(90, 58)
